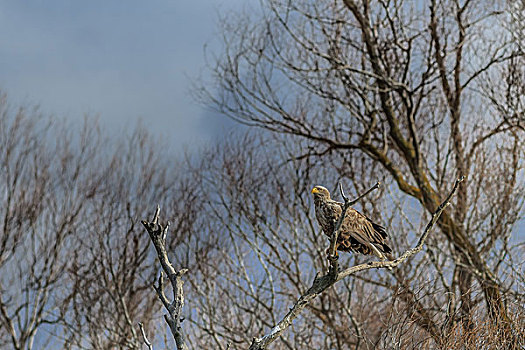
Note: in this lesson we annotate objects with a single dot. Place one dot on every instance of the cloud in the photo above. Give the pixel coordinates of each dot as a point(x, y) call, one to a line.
point(121, 60)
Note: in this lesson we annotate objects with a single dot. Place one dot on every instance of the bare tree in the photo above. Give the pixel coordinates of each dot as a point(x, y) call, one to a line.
point(39, 218)
point(413, 89)
point(75, 272)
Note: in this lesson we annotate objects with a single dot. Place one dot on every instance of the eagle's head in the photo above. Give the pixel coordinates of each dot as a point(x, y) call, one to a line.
point(321, 192)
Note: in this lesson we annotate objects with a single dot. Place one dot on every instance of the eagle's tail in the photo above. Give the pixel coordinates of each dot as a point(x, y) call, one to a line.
point(389, 256)
point(379, 229)
point(385, 250)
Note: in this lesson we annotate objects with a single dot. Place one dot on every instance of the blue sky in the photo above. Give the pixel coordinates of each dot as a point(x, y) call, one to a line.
point(121, 60)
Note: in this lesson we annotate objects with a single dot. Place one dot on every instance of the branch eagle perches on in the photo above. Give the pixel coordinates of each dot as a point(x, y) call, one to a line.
point(157, 232)
point(320, 284)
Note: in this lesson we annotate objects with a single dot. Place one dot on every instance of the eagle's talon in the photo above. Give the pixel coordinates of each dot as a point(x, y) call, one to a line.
point(330, 257)
point(333, 257)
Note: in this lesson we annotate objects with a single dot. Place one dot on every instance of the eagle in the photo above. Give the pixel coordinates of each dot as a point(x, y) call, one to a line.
point(357, 234)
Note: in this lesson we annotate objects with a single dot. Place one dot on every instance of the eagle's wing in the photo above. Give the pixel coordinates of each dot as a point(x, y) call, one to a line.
point(365, 232)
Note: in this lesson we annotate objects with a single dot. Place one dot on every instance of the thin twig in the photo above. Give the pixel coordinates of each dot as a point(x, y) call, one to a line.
point(146, 341)
point(376, 186)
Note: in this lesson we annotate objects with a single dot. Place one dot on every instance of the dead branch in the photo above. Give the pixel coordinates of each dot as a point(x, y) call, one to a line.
point(157, 233)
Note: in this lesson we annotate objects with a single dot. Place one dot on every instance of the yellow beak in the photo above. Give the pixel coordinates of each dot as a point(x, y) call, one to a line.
point(315, 190)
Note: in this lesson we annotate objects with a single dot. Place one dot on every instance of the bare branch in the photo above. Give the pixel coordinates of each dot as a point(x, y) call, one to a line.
point(376, 186)
point(146, 341)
